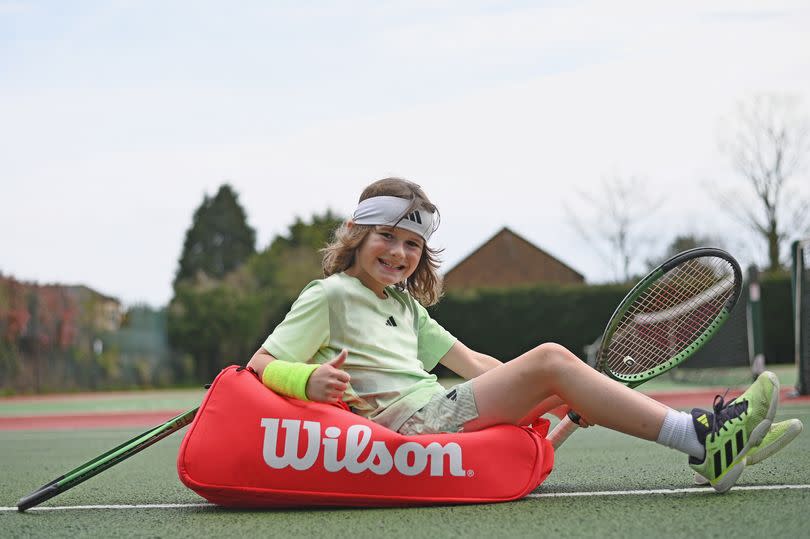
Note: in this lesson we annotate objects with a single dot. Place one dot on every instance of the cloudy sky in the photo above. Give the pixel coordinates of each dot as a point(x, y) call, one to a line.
point(117, 117)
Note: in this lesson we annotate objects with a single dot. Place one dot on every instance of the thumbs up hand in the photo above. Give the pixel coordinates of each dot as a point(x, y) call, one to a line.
point(329, 381)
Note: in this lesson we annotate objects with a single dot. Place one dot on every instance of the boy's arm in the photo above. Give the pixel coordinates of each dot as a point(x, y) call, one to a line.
point(326, 384)
point(260, 360)
point(467, 363)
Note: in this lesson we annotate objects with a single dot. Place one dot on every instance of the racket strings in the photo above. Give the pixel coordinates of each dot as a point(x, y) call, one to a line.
point(667, 318)
point(686, 317)
point(648, 344)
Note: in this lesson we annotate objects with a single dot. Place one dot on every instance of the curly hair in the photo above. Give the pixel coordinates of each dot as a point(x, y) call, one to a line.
point(425, 284)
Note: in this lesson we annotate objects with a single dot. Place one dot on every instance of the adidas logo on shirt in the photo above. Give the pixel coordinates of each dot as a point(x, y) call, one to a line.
point(391, 322)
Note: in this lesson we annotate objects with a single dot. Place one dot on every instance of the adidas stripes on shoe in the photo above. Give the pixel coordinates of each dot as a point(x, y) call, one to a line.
point(732, 429)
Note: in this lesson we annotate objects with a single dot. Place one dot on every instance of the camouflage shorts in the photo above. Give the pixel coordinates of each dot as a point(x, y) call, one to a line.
point(445, 412)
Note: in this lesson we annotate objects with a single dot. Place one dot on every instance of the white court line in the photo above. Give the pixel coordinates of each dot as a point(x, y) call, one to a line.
point(702, 490)
point(694, 490)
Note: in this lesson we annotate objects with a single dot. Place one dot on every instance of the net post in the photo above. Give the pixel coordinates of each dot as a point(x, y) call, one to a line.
point(756, 354)
point(798, 281)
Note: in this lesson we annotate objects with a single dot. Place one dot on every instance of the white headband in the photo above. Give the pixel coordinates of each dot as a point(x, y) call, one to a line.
point(390, 211)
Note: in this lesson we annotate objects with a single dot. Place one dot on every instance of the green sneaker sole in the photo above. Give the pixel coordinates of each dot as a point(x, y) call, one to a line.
point(784, 432)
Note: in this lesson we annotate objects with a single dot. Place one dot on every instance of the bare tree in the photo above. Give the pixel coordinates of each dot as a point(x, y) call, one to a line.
point(616, 229)
point(681, 243)
point(768, 144)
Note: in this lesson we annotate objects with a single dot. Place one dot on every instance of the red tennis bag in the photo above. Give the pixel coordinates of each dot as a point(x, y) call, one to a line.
point(249, 447)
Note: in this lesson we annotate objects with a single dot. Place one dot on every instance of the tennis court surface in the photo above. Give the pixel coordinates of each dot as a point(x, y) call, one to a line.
point(604, 484)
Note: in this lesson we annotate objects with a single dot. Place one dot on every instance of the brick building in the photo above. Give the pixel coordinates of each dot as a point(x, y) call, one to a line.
point(507, 260)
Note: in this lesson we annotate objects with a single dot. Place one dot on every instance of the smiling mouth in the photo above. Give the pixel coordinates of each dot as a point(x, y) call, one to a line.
point(387, 265)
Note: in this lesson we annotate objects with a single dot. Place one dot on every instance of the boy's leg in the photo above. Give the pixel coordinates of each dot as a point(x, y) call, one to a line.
point(546, 405)
point(509, 392)
point(512, 392)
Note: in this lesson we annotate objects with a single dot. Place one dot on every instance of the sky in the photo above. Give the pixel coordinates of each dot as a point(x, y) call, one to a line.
point(118, 117)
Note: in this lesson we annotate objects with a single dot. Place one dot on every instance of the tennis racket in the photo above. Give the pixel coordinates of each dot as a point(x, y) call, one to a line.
point(668, 316)
point(108, 459)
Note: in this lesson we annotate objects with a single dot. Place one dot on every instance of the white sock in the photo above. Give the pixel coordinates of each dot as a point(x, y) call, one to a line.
point(678, 432)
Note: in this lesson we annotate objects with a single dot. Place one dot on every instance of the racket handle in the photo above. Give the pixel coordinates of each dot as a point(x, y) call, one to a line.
point(563, 430)
point(36, 498)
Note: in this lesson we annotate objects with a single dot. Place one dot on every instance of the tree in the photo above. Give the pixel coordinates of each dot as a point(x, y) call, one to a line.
point(616, 229)
point(217, 323)
point(294, 259)
point(768, 144)
point(683, 243)
point(220, 321)
point(219, 239)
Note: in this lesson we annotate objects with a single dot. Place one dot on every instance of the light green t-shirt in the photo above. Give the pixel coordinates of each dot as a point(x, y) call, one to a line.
point(392, 343)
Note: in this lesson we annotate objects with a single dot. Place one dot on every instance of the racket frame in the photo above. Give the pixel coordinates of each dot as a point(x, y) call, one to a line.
point(635, 380)
point(106, 460)
point(570, 422)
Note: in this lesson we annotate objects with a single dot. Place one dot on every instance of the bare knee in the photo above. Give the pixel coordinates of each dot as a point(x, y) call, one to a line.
point(551, 360)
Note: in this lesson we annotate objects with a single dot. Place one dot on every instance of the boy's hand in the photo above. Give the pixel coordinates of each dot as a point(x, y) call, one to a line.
point(562, 410)
point(328, 382)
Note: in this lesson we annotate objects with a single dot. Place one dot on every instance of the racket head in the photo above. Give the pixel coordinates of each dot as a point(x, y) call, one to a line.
point(669, 315)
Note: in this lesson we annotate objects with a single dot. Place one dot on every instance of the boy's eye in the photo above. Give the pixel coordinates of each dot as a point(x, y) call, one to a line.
point(414, 244)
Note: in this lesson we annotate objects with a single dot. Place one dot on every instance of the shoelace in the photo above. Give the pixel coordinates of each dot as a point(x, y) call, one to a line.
point(724, 413)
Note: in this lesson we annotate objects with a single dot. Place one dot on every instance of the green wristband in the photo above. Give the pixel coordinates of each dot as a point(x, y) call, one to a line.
point(288, 378)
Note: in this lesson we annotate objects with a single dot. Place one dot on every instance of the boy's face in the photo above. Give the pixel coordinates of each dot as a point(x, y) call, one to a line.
point(387, 256)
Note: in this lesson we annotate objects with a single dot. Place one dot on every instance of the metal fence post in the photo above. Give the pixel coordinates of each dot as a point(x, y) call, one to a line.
point(756, 354)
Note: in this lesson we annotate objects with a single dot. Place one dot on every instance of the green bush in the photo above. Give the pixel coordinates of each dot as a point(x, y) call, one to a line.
point(777, 317)
point(507, 322)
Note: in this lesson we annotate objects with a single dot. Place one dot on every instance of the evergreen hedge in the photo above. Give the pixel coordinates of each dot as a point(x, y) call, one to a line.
point(777, 316)
point(507, 322)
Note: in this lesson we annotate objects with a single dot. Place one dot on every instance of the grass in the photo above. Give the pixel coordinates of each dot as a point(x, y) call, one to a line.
point(124, 401)
point(591, 461)
point(719, 377)
point(681, 379)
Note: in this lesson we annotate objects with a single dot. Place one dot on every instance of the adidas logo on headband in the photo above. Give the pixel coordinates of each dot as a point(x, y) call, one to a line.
point(414, 216)
point(391, 211)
